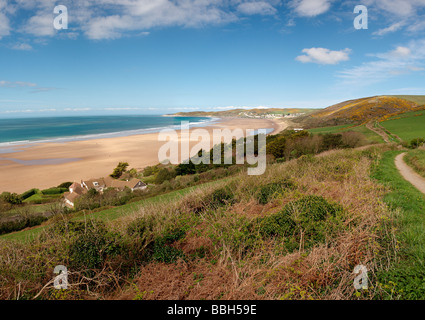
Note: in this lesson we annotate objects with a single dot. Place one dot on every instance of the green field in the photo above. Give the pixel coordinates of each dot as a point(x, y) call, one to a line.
point(371, 136)
point(407, 126)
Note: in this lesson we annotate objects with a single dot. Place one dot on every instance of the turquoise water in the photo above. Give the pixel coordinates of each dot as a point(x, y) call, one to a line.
point(62, 129)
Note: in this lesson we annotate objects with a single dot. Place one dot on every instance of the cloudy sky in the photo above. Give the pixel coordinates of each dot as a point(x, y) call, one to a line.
point(161, 56)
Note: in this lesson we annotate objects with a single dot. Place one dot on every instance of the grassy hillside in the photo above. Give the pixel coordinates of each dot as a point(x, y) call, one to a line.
point(259, 237)
point(370, 136)
point(358, 111)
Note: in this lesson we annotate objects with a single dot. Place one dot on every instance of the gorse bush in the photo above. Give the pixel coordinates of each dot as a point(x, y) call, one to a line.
point(269, 191)
point(141, 226)
point(92, 246)
point(311, 219)
point(221, 197)
point(163, 251)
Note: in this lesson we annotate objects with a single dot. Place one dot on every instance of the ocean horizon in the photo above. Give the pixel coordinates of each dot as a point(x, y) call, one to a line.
point(16, 131)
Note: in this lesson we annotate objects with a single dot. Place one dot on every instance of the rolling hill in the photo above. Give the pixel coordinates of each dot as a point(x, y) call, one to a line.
point(360, 111)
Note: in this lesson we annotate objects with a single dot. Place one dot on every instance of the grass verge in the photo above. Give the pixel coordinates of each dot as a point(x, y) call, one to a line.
point(406, 278)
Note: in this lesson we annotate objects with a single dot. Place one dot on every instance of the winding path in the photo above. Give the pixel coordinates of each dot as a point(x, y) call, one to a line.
point(409, 174)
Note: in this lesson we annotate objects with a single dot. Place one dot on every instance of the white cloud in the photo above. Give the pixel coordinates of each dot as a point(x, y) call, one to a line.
point(402, 60)
point(14, 84)
point(40, 25)
point(324, 56)
point(254, 7)
point(392, 28)
point(22, 46)
point(4, 21)
point(401, 52)
point(110, 19)
point(311, 8)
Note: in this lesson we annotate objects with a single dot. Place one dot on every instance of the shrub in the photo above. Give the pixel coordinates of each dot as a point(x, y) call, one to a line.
point(65, 185)
point(162, 249)
point(119, 170)
point(267, 192)
point(29, 193)
point(54, 190)
point(221, 197)
point(310, 219)
point(91, 248)
point(11, 198)
point(417, 142)
point(141, 226)
point(21, 222)
point(163, 175)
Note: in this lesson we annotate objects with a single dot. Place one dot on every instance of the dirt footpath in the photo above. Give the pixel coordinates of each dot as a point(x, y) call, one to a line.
point(409, 174)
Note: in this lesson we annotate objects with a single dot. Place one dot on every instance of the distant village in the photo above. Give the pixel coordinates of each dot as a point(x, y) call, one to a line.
point(249, 114)
point(77, 189)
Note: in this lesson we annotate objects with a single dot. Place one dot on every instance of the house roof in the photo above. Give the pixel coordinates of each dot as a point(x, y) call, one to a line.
point(109, 182)
point(71, 196)
point(77, 188)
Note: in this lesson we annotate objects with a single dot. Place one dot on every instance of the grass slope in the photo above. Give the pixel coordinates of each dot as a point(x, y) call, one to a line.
point(371, 136)
point(406, 279)
point(416, 159)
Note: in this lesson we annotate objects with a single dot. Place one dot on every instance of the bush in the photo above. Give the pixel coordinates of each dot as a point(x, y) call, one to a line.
point(91, 248)
point(65, 185)
point(267, 192)
point(21, 223)
point(29, 193)
point(11, 198)
point(141, 226)
point(119, 170)
point(163, 175)
point(162, 249)
point(54, 191)
point(310, 219)
point(416, 143)
point(221, 197)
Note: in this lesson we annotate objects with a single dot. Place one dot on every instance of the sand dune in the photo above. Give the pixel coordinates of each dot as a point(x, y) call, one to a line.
point(97, 157)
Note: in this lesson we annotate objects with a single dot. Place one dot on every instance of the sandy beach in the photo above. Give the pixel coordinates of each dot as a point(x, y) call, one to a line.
point(77, 160)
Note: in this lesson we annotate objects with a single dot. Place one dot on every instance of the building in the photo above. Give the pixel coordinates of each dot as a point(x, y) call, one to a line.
point(78, 189)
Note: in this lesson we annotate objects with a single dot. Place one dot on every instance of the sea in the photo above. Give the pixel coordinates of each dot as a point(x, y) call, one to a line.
point(63, 129)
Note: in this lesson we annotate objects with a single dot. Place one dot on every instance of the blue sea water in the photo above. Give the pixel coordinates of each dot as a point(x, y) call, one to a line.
point(62, 129)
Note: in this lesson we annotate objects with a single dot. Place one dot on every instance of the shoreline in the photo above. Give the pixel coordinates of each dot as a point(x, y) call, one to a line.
point(97, 157)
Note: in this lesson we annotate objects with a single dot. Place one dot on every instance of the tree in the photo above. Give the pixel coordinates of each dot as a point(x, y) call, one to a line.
point(119, 170)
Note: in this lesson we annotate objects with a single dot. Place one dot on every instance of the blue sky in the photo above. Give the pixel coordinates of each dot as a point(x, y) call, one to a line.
point(163, 56)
